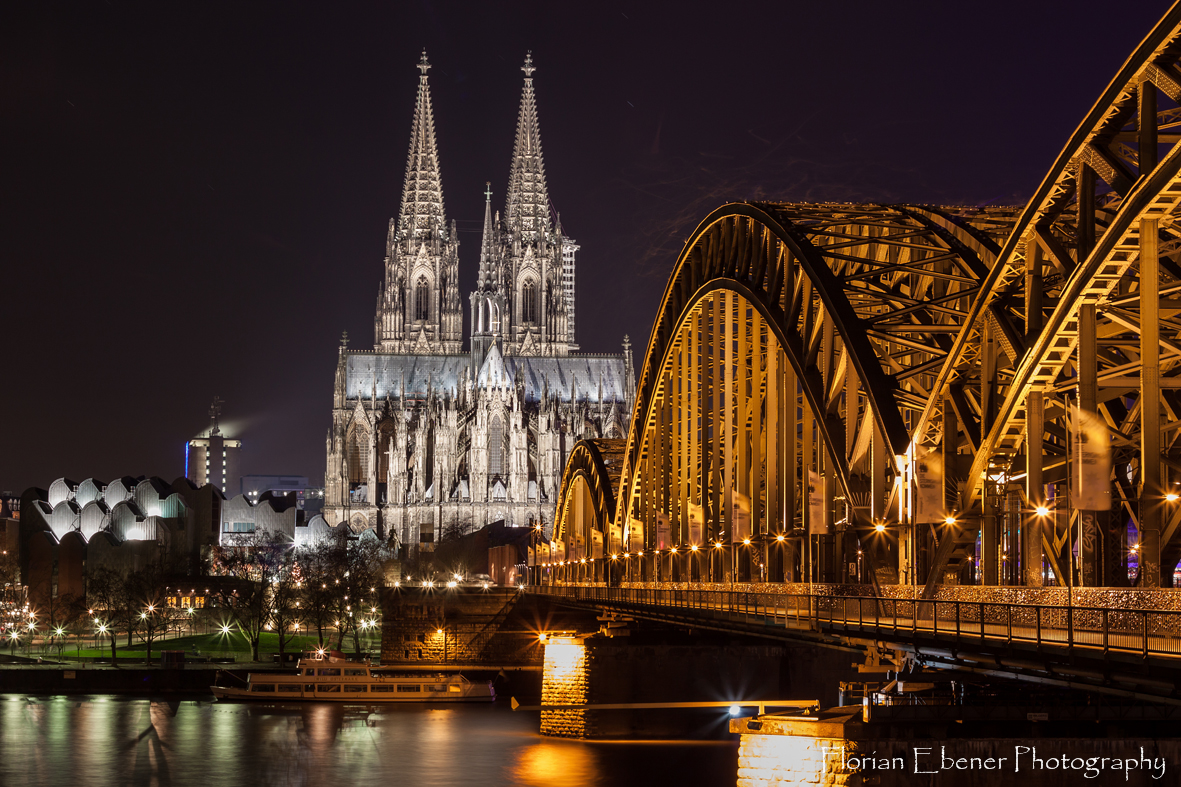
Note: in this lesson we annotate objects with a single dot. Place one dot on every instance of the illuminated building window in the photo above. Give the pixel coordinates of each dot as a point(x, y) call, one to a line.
point(237, 527)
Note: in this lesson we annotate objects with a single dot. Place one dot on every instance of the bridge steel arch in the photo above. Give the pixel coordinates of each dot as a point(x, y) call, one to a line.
point(794, 346)
point(930, 367)
point(1058, 325)
point(586, 505)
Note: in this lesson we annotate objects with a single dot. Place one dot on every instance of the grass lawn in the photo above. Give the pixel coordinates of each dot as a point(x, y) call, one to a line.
point(213, 645)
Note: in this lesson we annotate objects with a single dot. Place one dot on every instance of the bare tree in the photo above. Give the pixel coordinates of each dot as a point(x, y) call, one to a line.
point(257, 561)
point(108, 596)
point(149, 612)
point(320, 587)
point(361, 569)
point(286, 588)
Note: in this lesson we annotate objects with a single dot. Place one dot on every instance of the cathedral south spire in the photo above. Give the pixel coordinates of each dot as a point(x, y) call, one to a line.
point(533, 261)
point(418, 306)
point(527, 205)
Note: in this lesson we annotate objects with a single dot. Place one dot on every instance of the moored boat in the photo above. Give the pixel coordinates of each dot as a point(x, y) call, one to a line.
point(334, 679)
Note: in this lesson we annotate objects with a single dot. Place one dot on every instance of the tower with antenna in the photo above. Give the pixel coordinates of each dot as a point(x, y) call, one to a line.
point(214, 458)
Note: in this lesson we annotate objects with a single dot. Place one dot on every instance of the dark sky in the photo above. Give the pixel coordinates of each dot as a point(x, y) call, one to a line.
point(194, 196)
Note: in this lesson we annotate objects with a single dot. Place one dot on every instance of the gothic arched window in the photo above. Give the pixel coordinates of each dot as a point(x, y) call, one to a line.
point(529, 302)
point(422, 309)
point(495, 448)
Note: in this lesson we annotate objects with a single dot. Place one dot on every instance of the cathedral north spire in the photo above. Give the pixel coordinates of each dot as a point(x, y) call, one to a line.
point(527, 201)
point(418, 306)
point(422, 192)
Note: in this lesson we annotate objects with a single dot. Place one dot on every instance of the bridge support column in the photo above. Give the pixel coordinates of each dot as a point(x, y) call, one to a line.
point(990, 547)
point(1091, 524)
point(1032, 556)
point(1151, 496)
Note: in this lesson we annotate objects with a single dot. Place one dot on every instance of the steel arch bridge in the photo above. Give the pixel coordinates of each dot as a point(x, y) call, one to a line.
point(894, 393)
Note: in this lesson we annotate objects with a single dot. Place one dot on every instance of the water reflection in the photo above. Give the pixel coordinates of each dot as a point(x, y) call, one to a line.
point(554, 762)
point(105, 740)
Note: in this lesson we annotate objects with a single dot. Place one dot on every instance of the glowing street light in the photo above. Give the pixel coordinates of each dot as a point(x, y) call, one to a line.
point(1041, 511)
point(949, 520)
point(880, 527)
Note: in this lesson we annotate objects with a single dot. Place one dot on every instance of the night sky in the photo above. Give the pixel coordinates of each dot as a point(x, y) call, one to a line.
point(194, 196)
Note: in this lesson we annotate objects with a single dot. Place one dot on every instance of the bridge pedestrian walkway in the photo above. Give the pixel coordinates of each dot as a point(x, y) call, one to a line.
point(1078, 629)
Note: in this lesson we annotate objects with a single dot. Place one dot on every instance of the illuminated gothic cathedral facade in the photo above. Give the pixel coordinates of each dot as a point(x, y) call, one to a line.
point(428, 438)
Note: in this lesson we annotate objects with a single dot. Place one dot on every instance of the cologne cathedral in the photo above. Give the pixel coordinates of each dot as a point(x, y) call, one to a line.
point(429, 439)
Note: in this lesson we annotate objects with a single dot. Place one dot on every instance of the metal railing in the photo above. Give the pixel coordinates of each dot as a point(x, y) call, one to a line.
point(1142, 632)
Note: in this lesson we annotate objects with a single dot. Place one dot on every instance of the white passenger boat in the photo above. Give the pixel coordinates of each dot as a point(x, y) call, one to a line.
point(330, 679)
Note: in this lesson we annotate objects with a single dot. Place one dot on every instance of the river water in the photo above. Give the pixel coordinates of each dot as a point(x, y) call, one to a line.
point(99, 740)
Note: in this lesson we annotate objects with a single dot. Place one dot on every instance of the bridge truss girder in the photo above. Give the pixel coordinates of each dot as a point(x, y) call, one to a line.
point(860, 342)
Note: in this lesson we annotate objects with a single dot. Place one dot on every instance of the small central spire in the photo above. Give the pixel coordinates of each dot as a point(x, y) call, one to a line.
point(487, 191)
point(528, 68)
point(423, 65)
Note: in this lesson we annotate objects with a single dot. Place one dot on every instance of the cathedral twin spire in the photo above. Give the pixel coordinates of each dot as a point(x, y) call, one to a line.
point(522, 290)
point(422, 192)
point(527, 207)
point(418, 307)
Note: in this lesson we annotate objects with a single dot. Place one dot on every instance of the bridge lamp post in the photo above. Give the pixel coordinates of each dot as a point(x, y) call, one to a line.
point(693, 560)
point(1043, 511)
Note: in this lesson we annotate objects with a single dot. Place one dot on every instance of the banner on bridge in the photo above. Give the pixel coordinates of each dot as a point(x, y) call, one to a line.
point(740, 516)
point(816, 523)
point(1090, 489)
point(929, 505)
point(662, 541)
point(635, 536)
point(696, 522)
